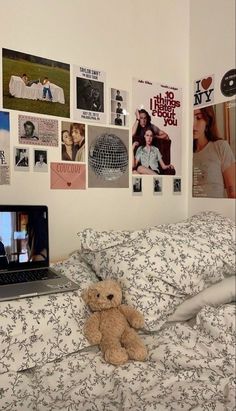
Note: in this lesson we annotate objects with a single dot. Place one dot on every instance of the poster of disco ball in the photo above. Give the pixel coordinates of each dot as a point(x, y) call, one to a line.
point(108, 157)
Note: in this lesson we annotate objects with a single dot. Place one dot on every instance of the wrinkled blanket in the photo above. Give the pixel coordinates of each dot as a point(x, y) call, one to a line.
point(190, 367)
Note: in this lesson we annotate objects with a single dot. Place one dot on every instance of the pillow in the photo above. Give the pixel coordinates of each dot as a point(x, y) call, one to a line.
point(159, 267)
point(221, 293)
point(37, 330)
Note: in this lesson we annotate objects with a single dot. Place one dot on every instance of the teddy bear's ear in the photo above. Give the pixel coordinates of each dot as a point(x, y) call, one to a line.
point(85, 296)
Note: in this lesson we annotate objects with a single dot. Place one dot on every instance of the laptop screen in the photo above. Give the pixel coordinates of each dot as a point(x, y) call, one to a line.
point(23, 237)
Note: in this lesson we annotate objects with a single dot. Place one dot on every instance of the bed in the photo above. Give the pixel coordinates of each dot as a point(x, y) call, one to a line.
point(181, 276)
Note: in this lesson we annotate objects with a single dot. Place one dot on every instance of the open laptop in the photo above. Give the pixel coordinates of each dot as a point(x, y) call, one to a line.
point(24, 254)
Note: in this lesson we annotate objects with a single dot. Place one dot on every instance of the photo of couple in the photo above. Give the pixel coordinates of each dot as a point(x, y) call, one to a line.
point(73, 142)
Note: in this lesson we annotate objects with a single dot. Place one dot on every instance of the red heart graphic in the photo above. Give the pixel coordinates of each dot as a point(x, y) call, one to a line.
point(68, 183)
point(206, 82)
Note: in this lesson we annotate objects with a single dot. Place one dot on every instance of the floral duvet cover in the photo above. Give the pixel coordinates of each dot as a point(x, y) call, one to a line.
point(189, 368)
point(46, 363)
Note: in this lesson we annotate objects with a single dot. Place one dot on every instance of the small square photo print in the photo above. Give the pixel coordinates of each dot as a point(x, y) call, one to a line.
point(40, 160)
point(157, 185)
point(177, 186)
point(21, 157)
point(137, 186)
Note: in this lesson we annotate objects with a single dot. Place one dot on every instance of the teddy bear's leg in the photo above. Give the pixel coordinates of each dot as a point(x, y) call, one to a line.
point(134, 346)
point(114, 353)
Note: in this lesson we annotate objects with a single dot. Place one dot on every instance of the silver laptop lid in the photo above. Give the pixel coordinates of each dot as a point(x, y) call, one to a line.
point(24, 242)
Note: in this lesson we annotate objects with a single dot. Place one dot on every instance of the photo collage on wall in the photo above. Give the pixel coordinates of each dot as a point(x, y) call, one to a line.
point(42, 86)
point(101, 141)
point(214, 136)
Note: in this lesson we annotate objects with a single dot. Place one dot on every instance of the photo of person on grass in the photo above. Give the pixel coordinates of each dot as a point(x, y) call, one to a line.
point(25, 87)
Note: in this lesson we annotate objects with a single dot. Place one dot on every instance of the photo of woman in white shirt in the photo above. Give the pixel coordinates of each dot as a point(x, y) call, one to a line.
point(213, 159)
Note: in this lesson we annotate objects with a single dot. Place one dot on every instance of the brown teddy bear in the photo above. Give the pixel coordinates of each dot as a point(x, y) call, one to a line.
point(110, 324)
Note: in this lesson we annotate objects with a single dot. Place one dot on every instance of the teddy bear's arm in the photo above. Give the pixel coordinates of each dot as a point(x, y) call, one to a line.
point(91, 329)
point(134, 317)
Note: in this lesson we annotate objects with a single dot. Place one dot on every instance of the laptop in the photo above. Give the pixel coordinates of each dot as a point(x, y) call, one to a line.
point(24, 254)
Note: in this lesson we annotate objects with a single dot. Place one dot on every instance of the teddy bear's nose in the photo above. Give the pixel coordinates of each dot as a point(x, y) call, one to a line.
point(110, 296)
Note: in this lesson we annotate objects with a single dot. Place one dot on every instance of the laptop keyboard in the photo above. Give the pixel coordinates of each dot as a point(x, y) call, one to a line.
point(26, 276)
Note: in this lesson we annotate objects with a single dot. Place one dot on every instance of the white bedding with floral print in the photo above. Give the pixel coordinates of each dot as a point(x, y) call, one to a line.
point(46, 364)
point(36, 330)
point(189, 368)
point(159, 267)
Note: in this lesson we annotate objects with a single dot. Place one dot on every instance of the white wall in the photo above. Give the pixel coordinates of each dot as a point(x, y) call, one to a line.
point(125, 39)
point(212, 51)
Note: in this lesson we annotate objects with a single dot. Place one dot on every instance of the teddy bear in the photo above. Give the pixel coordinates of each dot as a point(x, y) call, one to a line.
point(112, 324)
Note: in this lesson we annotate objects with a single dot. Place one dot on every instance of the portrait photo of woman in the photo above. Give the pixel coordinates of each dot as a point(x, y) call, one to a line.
point(214, 171)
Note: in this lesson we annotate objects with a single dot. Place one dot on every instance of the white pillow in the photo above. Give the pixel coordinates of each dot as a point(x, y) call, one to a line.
point(159, 267)
point(221, 293)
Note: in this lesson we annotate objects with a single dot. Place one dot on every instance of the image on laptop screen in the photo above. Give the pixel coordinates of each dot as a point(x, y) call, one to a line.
point(23, 237)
